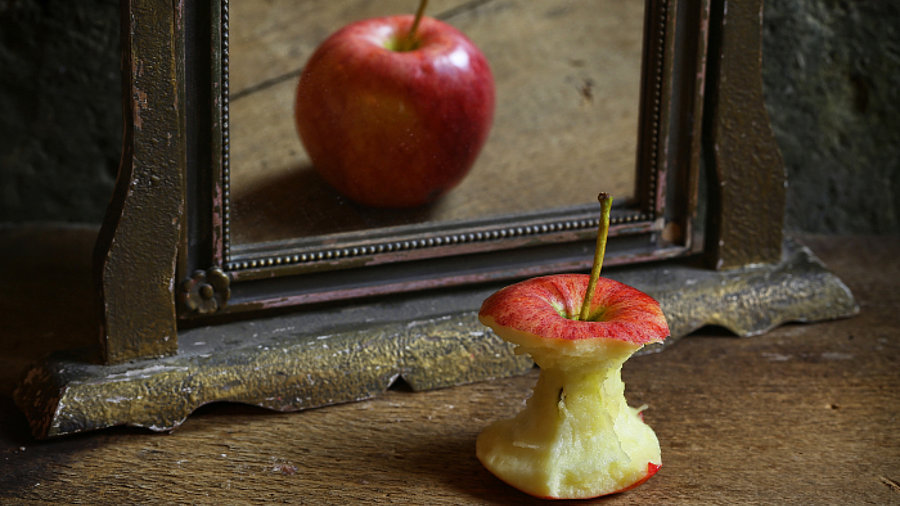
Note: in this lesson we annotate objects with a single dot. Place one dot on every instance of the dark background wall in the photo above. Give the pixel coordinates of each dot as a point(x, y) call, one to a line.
point(831, 77)
point(60, 108)
point(831, 74)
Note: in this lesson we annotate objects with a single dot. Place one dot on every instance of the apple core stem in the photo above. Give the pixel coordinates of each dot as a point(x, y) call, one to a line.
point(409, 42)
point(602, 231)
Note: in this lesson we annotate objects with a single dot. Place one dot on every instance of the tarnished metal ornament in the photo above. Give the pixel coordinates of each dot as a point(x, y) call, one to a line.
point(205, 292)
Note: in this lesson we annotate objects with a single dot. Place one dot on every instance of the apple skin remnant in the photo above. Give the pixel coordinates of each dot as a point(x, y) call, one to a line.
point(393, 127)
point(577, 437)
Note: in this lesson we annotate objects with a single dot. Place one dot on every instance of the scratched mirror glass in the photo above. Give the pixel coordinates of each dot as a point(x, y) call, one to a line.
point(565, 123)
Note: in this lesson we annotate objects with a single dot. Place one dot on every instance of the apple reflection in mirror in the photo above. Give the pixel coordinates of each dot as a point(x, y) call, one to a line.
point(550, 121)
point(393, 111)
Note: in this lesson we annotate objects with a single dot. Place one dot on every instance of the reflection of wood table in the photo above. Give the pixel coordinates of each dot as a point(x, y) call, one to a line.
point(567, 77)
point(806, 413)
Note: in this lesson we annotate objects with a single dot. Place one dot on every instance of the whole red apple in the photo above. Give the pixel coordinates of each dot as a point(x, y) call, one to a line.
point(390, 121)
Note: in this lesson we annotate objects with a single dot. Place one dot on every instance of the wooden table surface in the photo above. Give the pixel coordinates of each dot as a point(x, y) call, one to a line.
point(807, 413)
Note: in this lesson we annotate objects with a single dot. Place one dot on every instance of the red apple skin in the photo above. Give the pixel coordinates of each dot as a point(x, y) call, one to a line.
point(618, 311)
point(393, 128)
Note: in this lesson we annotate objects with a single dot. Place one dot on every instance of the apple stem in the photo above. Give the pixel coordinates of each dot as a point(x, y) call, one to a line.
point(409, 42)
point(602, 231)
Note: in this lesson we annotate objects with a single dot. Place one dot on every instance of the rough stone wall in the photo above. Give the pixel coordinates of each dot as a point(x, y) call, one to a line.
point(60, 111)
point(831, 74)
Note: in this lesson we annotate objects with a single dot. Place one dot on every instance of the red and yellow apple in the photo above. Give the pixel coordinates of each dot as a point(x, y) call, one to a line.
point(391, 120)
point(576, 437)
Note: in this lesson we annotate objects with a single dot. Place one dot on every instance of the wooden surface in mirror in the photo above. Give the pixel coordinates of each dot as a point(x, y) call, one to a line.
point(567, 78)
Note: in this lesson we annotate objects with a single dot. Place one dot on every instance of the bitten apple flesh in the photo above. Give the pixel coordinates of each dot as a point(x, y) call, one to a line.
point(388, 126)
point(576, 437)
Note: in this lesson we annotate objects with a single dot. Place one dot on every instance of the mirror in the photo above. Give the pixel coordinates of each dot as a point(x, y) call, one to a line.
point(568, 80)
point(591, 96)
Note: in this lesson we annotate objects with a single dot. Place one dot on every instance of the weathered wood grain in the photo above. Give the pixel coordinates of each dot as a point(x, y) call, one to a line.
point(567, 76)
point(806, 414)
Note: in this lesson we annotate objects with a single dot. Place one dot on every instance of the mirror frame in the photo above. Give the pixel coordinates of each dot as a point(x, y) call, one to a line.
point(427, 255)
point(163, 256)
point(722, 179)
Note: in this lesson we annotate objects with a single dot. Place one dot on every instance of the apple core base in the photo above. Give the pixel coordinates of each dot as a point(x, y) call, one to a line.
point(431, 340)
point(577, 438)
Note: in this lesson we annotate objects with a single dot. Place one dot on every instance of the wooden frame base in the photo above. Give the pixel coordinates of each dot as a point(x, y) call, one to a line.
point(305, 360)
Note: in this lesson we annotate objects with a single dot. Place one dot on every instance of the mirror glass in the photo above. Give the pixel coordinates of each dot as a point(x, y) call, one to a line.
point(567, 76)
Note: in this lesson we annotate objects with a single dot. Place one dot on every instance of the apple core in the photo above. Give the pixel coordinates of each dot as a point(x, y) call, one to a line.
point(577, 437)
